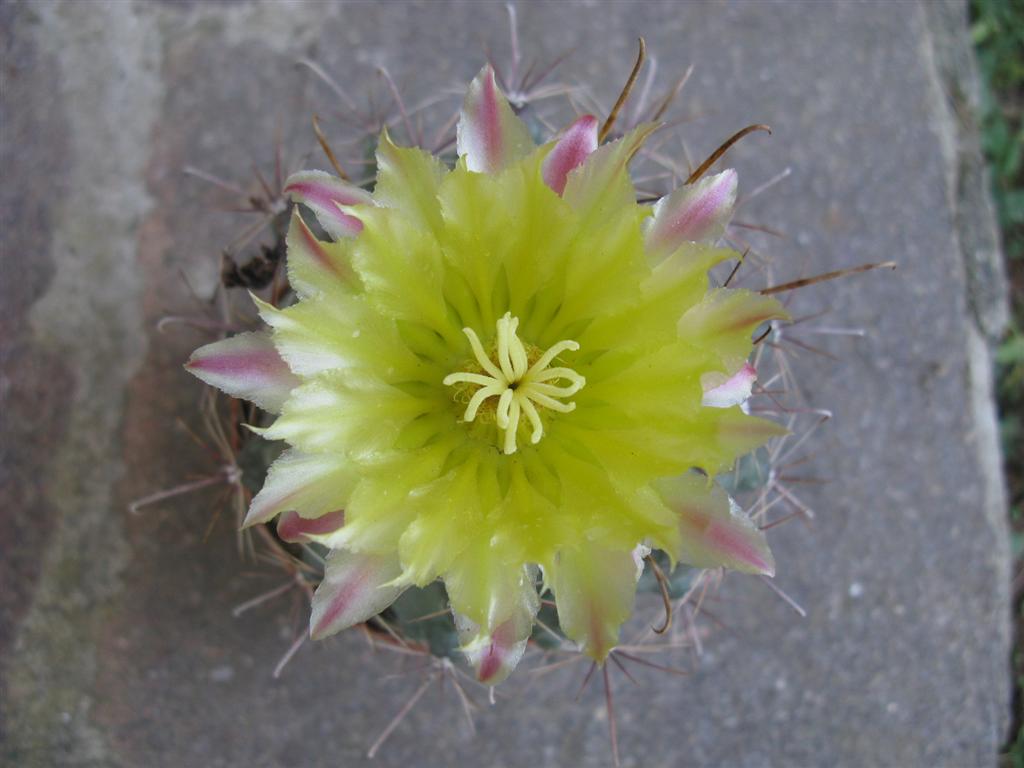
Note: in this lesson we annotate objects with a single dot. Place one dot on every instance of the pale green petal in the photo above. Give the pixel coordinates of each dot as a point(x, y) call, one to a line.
point(676, 284)
point(635, 454)
point(378, 509)
point(605, 266)
point(407, 181)
point(321, 335)
point(725, 434)
point(448, 516)
point(528, 524)
point(475, 242)
point(345, 414)
point(724, 321)
point(599, 499)
point(664, 382)
point(594, 588)
point(401, 268)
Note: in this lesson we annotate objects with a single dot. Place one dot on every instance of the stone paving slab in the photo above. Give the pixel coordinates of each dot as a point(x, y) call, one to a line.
point(117, 640)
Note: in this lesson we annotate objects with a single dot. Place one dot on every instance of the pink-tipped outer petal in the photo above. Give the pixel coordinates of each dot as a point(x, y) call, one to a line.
point(246, 366)
point(733, 391)
point(293, 527)
point(325, 195)
point(571, 149)
point(714, 530)
point(495, 603)
point(314, 485)
point(494, 656)
point(600, 186)
point(355, 588)
point(315, 267)
point(489, 135)
point(696, 212)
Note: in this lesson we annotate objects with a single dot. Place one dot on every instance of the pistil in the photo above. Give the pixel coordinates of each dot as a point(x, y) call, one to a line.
point(519, 386)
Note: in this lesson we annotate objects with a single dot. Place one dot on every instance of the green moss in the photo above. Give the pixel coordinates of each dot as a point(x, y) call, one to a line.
point(997, 28)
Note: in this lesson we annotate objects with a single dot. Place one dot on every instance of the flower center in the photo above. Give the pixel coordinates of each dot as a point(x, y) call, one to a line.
point(519, 386)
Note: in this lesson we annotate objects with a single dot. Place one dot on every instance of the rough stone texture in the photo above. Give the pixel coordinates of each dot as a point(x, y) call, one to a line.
point(116, 635)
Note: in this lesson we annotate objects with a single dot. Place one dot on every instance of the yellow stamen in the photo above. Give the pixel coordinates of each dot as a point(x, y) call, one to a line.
point(519, 387)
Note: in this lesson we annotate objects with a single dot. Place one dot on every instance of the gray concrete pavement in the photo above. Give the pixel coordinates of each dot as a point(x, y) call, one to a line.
point(117, 642)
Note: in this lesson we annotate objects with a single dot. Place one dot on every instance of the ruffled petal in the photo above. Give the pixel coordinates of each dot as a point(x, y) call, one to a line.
point(246, 366)
point(594, 588)
point(355, 588)
point(345, 414)
point(340, 332)
point(735, 390)
point(324, 195)
point(448, 516)
point(714, 531)
point(378, 511)
point(310, 335)
point(401, 267)
point(313, 485)
point(408, 179)
point(674, 285)
point(489, 135)
point(605, 260)
point(696, 212)
point(571, 149)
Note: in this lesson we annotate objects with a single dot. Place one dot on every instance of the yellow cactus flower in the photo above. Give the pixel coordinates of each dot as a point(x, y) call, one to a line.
point(510, 376)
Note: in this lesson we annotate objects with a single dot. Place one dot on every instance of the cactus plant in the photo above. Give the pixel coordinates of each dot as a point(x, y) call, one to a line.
point(509, 389)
